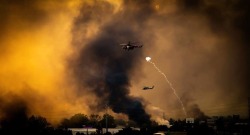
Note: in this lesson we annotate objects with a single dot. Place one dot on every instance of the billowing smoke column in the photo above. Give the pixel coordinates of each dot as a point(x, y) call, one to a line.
point(102, 66)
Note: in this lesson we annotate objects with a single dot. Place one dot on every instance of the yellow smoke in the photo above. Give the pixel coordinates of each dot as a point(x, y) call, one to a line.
point(35, 48)
point(33, 60)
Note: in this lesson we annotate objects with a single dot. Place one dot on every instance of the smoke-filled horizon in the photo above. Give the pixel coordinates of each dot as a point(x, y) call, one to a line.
point(61, 58)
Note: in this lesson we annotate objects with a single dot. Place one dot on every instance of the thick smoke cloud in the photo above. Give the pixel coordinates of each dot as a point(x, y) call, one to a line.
point(201, 43)
point(195, 112)
point(13, 114)
point(102, 66)
point(209, 45)
point(32, 57)
point(228, 20)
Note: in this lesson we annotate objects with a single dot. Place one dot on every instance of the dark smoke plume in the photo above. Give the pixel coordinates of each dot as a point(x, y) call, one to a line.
point(13, 114)
point(228, 19)
point(102, 66)
point(193, 109)
point(195, 112)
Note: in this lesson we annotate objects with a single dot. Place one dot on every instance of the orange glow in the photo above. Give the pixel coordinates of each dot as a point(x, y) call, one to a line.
point(37, 43)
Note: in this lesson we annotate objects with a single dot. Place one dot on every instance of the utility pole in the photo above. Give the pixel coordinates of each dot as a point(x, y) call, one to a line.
point(106, 118)
point(249, 109)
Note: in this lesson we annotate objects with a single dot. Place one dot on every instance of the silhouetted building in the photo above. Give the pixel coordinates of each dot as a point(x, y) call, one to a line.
point(189, 120)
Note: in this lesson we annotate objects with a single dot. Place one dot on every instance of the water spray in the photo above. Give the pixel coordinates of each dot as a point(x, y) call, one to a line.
point(148, 59)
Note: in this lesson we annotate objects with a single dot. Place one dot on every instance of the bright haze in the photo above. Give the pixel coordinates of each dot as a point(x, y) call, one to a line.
point(59, 58)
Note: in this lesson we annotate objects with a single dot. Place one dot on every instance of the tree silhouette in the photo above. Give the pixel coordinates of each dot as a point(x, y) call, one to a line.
point(120, 122)
point(38, 125)
point(110, 121)
point(78, 120)
point(34, 125)
point(94, 120)
point(65, 123)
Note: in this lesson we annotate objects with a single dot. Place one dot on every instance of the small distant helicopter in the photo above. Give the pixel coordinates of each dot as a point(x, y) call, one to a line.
point(147, 88)
point(131, 45)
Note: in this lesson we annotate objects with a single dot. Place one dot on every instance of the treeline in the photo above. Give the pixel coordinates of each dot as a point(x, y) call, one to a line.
point(94, 120)
point(34, 125)
point(38, 125)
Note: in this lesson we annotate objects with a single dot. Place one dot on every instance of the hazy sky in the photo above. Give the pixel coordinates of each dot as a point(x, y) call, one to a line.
point(59, 58)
